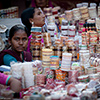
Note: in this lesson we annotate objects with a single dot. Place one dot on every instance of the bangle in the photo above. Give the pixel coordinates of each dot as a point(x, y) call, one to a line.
point(8, 79)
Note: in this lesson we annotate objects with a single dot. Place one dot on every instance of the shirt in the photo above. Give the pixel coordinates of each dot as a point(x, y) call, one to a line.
point(4, 78)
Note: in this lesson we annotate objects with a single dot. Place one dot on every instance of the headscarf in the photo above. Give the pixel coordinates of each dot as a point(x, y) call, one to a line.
point(27, 56)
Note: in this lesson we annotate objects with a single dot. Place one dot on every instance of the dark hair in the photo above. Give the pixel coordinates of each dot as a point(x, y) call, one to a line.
point(26, 14)
point(14, 29)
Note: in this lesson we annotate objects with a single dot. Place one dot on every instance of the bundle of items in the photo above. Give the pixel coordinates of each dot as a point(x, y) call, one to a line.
point(11, 12)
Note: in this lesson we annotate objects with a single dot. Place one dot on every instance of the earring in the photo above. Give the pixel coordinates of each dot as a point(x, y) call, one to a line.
point(32, 23)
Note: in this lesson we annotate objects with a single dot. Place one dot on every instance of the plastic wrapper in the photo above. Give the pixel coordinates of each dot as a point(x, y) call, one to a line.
point(72, 76)
point(38, 64)
point(66, 61)
point(92, 83)
point(89, 94)
point(69, 15)
point(60, 75)
point(7, 94)
point(50, 84)
point(16, 70)
point(80, 87)
point(59, 82)
point(71, 89)
point(40, 79)
point(66, 97)
point(27, 75)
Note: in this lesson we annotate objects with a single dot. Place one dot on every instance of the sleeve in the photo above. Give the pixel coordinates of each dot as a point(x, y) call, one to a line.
point(4, 79)
point(7, 59)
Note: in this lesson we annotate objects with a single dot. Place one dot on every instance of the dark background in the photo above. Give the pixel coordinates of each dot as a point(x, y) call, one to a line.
point(23, 4)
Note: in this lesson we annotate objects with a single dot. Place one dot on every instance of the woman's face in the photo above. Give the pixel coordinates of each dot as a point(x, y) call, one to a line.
point(39, 18)
point(19, 41)
point(41, 3)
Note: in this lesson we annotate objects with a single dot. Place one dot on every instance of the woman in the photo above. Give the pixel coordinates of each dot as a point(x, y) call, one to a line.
point(18, 39)
point(14, 84)
point(32, 17)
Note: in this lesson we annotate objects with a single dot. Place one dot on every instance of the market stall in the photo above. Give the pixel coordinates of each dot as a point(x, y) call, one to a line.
point(66, 58)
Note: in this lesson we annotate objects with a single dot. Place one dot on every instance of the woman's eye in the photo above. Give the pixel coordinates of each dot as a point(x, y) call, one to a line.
point(24, 39)
point(17, 39)
point(39, 13)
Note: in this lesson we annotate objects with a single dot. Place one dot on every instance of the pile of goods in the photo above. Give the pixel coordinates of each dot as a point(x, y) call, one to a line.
point(66, 59)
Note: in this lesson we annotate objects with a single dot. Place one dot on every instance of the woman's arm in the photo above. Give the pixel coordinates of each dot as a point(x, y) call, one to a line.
point(15, 84)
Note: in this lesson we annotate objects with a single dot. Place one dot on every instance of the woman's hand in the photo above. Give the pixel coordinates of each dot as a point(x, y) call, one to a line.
point(15, 84)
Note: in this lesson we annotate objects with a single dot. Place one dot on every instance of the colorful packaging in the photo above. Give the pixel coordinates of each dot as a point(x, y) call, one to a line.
point(60, 75)
point(54, 62)
point(66, 61)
